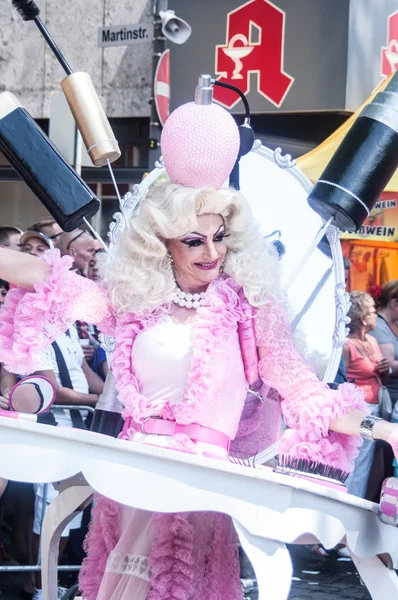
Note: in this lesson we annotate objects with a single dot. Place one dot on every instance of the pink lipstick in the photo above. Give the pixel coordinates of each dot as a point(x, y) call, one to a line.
point(207, 266)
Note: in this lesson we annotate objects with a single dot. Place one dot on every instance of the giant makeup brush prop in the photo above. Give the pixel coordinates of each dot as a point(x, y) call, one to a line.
point(42, 167)
point(82, 98)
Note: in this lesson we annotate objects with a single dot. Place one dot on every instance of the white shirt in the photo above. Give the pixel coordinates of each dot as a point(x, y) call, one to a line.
point(161, 358)
point(73, 356)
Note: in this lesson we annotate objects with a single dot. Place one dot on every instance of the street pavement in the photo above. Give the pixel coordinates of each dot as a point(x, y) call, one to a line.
point(325, 578)
point(314, 578)
point(322, 578)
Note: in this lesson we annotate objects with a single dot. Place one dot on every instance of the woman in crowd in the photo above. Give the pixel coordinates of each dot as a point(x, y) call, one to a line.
point(366, 367)
point(386, 334)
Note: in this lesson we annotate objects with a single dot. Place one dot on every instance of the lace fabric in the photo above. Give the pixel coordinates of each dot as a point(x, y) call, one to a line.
point(100, 540)
point(260, 423)
point(308, 406)
point(214, 341)
point(135, 565)
point(194, 556)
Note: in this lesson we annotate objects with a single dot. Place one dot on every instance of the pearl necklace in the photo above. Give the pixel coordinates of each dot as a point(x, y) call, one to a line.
point(189, 300)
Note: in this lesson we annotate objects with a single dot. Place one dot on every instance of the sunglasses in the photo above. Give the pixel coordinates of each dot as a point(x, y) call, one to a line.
point(56, 235)
point(77, 237)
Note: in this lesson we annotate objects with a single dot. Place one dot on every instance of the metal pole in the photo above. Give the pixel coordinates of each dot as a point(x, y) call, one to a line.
point(158, 47)
point(77, 152)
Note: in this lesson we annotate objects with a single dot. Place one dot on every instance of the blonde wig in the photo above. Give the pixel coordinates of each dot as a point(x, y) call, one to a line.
point(138, 270)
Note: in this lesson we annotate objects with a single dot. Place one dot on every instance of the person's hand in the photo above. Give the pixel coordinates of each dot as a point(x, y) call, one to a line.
point(4, 404)
point(88, 352)
point(92, 399)
point(382, 367)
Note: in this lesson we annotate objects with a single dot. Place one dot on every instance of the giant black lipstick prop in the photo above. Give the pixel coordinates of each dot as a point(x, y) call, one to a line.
point(363, 164)
point(42, 167)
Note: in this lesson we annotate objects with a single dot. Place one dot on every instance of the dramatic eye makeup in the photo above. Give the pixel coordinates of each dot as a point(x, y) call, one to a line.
point(220, 234)
point(194, 239)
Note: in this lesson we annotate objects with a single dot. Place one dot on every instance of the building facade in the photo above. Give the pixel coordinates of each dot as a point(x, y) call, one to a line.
point(304, 67)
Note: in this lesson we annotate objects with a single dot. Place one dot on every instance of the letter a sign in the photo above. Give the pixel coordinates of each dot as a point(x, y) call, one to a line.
point(254, 44)
point(389, 54)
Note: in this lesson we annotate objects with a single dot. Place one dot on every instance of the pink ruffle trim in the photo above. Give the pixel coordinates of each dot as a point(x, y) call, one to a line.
point(314, 441)
point(220, 315)
point(194, 555)
point(317, 414)
point(101, 539)
point(171, 558)
point(128, 327)
point(337, 450)
point(30, 321)
point(22, 332)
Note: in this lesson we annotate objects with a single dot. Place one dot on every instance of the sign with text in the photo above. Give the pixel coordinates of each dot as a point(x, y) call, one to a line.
point(241, 55)
point(125, 35)
point(382, 223)
point(285, 55)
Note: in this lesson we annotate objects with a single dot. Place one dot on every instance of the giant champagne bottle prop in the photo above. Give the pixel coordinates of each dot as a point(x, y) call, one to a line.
point(363, 164)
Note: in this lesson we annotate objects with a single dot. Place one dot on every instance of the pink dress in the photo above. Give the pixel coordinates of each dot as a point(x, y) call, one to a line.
point(184, 556)
point(362, 367)
point(131, 564)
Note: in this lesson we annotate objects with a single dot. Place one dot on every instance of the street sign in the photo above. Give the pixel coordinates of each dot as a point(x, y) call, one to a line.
point(162, 87)
point(125, 35)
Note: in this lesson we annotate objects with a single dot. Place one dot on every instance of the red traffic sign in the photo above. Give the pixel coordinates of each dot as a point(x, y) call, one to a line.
point(162, 87)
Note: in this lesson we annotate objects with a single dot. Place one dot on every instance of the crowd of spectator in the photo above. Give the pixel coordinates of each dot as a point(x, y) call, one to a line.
point(371, 362)
point(77, 366)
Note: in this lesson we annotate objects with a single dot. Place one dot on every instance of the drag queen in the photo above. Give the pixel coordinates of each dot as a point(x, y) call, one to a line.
point(191, 295)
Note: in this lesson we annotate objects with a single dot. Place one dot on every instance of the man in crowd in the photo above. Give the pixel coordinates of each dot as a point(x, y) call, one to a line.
point(10, 237)
point(76, 384)
point(49, 227)
point(81, 376)
point(35, 243)
point(93, 270)
point(4, 287)
point(80, 246)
